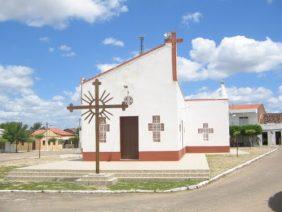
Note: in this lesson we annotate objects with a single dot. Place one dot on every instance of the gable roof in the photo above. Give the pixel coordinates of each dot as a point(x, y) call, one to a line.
point(54, 130)
point(271, 118)
point(124, 63)
point(245, 106)
point(70, 130)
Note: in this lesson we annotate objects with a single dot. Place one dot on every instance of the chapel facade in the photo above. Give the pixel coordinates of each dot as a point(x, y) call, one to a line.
point(159, 123)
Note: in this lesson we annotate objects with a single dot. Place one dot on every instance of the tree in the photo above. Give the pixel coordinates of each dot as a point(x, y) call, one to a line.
point(14, 132)
point(35, 126)
point(234, 132)
point(74, 140)
point(251, 131)
point(2, 140)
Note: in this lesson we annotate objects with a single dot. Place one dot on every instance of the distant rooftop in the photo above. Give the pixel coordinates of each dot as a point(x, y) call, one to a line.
point(54, 130)
point(271, 118)
point(245, 106)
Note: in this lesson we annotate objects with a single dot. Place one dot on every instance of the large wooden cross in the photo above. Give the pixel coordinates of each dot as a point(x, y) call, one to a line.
point(96, 106)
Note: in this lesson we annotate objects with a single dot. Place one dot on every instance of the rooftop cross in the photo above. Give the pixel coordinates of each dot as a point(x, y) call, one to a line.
point(172, 38)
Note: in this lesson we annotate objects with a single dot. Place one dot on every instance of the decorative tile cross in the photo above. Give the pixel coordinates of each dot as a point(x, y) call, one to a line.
point(156, 127)
point(103, 129)
point(205, 131)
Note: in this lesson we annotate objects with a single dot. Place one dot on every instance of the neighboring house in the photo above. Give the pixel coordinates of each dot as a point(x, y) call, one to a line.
point(271, 123)
point(272, 128)
point(246, 114)
point(45, 143)
point(71, 130)
point(160, 124)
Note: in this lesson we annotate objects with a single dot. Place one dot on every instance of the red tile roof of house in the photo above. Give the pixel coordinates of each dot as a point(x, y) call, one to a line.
point(271, 118)
point(54, 130)
point(244, 106)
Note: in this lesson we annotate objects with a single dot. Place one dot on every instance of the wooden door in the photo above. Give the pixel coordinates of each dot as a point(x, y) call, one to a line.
point(129, 137)
point(278, 138)
point(264, 138)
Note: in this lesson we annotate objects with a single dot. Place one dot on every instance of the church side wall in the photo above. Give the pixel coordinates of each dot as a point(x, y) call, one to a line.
point(216, 114)
point(149, 81)
point(181, 118)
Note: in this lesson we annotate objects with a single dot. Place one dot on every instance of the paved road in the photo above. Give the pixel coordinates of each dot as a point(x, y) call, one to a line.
point(255, 188)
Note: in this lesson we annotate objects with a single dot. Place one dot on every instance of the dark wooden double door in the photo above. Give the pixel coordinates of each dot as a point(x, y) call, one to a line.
point(129, 137)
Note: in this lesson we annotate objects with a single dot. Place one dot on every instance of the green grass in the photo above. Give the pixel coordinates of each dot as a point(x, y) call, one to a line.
point(155, 185)
point(158, 185)
point(44, 186)
point(74, 186)
point(6, 185)
point(4, 171)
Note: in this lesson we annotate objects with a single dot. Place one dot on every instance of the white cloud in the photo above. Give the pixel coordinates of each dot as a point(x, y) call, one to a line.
point(67, 51)
point(113, 41)
point(15, 78)
point(280, 89)
point(51, 49)
point(246, 95)
point(74, 95)
point(58, 13)
point(58, 98)
point(117, 59)
point(69, 54)
point(232, 55)
point(19, 102)
point(106, 66)
point(189, 18)
point(45, 39)
point(65, 48)
point(269, 1)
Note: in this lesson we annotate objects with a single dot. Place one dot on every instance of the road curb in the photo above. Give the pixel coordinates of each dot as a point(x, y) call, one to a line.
point(191, 187)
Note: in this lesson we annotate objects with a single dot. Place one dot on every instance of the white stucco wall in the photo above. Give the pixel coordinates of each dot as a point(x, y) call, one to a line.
point(181, 118)
point(236, 114)
point(271, 129)
point(213, 112)
point(149, 81)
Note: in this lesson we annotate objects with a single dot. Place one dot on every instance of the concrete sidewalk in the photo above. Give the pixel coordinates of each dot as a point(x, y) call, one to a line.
point(188, 162)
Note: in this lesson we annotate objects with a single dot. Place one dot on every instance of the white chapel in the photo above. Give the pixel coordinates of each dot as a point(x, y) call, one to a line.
point(159, 123)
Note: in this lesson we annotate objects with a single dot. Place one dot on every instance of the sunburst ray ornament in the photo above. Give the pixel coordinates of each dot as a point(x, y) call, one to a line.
point(90, 100)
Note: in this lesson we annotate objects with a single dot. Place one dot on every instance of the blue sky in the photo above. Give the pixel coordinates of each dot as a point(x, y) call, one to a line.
point(46, 50)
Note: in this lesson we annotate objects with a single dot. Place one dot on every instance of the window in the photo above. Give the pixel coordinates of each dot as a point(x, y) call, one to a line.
point(243, 120)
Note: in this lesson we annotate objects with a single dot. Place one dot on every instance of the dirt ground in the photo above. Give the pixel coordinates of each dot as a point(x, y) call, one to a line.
point(32, 157)
point(219, 163)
